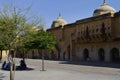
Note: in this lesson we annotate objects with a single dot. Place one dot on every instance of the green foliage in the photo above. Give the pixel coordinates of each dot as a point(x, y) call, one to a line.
point(16, 28)
point(41, 40)
point(3, 47)
point(8, 28)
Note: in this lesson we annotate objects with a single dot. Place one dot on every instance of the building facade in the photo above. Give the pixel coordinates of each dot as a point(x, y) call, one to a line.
point(96, 38)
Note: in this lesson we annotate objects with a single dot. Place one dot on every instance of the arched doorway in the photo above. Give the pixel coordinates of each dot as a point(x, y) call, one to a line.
point(114, 55)
point(86, 54)
point(101, 54)
point(65, 56)
point(53, 56)
point(58, 49)
point(33, 55)
point(40, 54)
point(68, 50)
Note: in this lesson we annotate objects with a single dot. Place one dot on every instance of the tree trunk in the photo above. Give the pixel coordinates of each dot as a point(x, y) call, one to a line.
point(43, 60)
point(11, 61)
point(11, 71)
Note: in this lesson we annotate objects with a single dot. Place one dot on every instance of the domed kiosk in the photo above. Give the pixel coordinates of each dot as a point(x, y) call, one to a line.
point(104, 9)
point(58, 22)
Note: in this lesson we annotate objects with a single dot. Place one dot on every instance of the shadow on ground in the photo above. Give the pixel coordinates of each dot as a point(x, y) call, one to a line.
point(27, 69)
point(91, 63)
point(1, 76)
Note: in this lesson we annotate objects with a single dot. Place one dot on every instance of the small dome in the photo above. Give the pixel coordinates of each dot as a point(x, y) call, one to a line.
point(104, 9)
point(59, 22)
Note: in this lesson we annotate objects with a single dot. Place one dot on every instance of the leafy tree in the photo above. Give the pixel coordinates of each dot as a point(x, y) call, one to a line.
point(42, 40)
point(27, 36)
point(15, 27)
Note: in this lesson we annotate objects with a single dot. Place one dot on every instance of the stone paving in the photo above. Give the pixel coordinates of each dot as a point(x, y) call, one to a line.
point(57, 70)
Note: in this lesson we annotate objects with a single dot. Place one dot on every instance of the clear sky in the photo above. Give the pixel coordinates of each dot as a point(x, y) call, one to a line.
point(71, 10)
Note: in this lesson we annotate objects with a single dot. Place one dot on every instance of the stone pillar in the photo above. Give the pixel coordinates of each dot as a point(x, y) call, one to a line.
point(107, 54)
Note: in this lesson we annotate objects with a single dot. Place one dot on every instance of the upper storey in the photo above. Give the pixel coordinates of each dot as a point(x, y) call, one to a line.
point(104, 9)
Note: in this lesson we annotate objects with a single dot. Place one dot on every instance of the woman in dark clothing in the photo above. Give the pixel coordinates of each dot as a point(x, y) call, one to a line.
point(23, 64)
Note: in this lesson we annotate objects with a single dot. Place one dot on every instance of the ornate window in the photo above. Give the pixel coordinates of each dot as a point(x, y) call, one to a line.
point(97, 30)
point(103, 29)
point(87, 32)
point(93, 31)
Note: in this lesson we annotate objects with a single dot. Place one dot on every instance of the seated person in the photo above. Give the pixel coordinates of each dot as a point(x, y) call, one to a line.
point(3, 64)
point(23, 64)
point(6, 65)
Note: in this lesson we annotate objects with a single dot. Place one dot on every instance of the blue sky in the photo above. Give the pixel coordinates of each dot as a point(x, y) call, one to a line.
point(71, 10)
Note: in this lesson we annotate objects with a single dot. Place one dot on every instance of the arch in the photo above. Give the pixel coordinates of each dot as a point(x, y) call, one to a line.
point(59, 50)
point(86, 54)
point(52, 55)
point(68, 51)
point(114, 55)
point(33, 54)
point(39, 54)
point(101, 54)
point(64, 56)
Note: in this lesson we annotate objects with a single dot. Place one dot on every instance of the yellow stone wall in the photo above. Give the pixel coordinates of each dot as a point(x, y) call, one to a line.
point(4, 54)
point(71, 38)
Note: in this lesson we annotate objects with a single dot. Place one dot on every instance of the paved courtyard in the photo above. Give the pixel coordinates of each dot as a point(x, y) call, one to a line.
point(60, 70)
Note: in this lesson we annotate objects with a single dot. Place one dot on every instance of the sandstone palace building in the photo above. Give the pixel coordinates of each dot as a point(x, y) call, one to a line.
point(95, 38)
